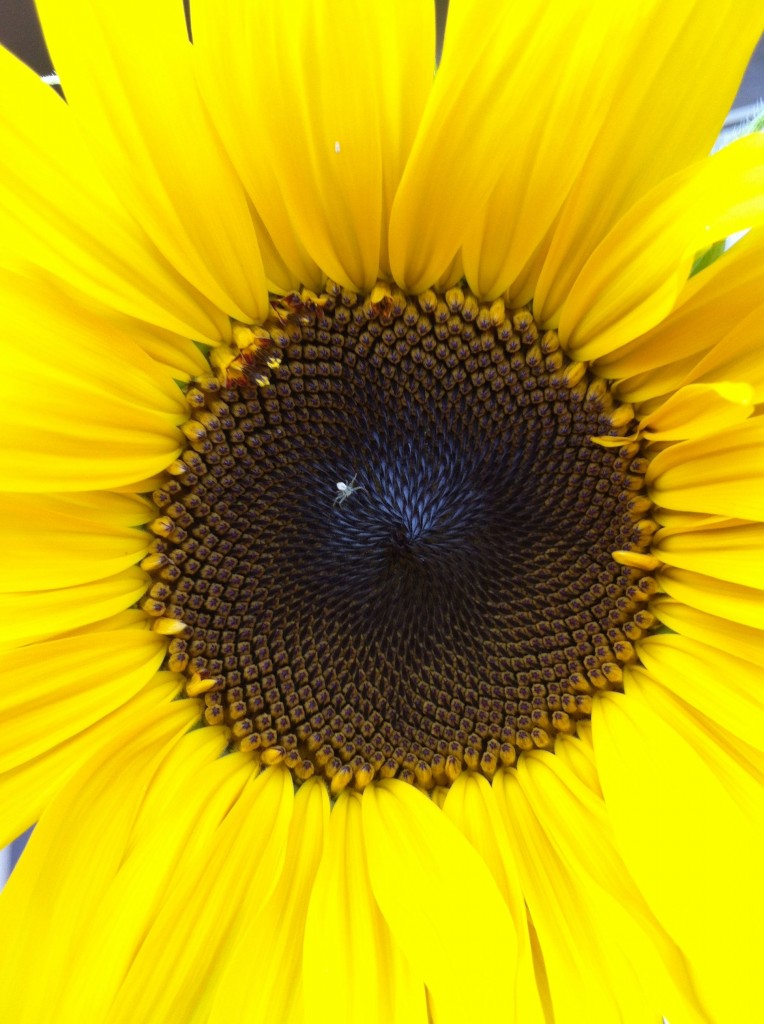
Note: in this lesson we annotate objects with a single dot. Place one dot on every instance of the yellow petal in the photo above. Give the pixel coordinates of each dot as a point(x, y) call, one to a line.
point(672, 522)
point(38, 614)
point(273, 938)
point(27, 790)
point(654, 384)
point(659, 122)
point(558, 107)
point(182, 358)
point(51, 542)
point(197, 787)
point(334, 108)
point(738, 356)
point(72, 857)
point(697, 410)
point(353, 968)
point(557, 911)
point(720, 474)
point(46, 324)
point(456, 160)
point(734, 601)
point(734, 554)
point(46, 306)
point(61, 687)
point(632, 279)
point(708, 305)
point(59, 213)
point(730, 636)
point(722, 686)
point(577, 754)
point(688, 819)
point(433, 888)
point(142, 115)
point(174, 972)
point(83, 407)
point(470, 804)
point(231, 99)
point(641, 963)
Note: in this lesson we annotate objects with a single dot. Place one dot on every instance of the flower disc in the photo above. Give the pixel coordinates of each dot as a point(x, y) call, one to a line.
point(391, 545)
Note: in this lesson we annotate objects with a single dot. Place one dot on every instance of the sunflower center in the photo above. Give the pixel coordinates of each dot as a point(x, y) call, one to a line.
point(388, 546)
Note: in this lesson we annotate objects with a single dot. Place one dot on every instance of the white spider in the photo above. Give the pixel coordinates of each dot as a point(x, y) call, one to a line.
point(346, 489)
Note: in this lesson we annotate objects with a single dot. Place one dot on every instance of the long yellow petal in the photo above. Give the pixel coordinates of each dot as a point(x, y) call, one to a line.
point(175, 971)
point(708, 305)
point(50, 542)
point(273, 939)
point(230, 42)
point(632, 279)
point(55, 690)
point(688, 820)
point(433, 888)
point(129, 81)
point(733, 637)
point(334, 108)
point(559, 105)
point(557, 912)
point(36, 615)
point(642, 964)
point(197, 788)
point(457, 158)
point(58, 212)
point(725, 688)
point(73, 856)
point(45, 324)
point(734, 553)
point(470, 804)
point(577, 754)
point(721, 473)
point(693, 54)
point(353, 967)
point(697, 410)
point(83, 406)
point(739, 355)
point(652, 384)
point(331, 113)
point(47, 307)
point(734, 601)
point(26, 791)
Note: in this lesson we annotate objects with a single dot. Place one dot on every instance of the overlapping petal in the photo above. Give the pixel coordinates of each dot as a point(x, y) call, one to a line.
point(163, 159)
point(690, 56)
point(632, 279)
point(707, 308)
point(74, 541)
point(662, 769)
point(60, 216)
point(427, 900)
point(50, 899)
point(353, 966)
point(719, 474)
point(273, 937)
point(203, 912)
point(334, 113)
point(558, 109)
point(29, 788)
point(104, 412)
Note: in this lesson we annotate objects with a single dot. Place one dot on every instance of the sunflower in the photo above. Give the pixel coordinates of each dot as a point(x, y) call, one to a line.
point(382, 515)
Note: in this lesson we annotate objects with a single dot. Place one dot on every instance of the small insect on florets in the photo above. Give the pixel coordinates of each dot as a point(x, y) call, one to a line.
point(346, 489)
